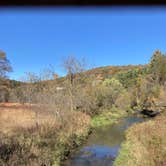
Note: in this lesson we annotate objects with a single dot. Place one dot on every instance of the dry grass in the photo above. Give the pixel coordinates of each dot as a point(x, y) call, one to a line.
point(30, 135)
point(145, 144)
point(14, 115)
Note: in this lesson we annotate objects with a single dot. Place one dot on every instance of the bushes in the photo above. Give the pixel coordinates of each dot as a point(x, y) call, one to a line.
point(145, 92)
point(107, 117)
point(112, 90)
point(112, 94)
point(124, 100)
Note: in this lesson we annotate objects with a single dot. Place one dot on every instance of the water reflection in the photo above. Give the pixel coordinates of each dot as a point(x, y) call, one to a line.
point(103, 145)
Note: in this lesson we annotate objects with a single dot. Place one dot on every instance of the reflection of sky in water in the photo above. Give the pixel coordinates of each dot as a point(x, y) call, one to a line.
point(103, 145)
point(95, 155)
point(100, 151)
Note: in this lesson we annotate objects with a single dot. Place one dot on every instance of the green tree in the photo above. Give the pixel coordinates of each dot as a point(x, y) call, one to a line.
point(129, 78)
point(5, 67)
point(158, 67)
point(111, 89)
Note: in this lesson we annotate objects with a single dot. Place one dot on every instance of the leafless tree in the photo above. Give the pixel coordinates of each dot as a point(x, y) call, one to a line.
point(74, 69)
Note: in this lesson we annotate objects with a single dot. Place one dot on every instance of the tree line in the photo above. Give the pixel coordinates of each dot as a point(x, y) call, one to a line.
point(132, 89)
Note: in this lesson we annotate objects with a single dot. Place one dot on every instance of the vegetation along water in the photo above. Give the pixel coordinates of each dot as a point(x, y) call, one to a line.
point(103, 145)
point(44, 118)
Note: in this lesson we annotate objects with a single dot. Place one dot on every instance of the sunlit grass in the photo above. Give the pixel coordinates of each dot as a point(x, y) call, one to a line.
point(107, 117)
point(31, 138)
point(145, 144)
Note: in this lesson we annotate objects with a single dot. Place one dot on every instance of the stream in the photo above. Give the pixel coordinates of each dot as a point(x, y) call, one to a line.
point(103, 144)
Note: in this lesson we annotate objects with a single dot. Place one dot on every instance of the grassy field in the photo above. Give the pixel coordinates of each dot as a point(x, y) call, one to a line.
point(30, 135)
point(145, 144)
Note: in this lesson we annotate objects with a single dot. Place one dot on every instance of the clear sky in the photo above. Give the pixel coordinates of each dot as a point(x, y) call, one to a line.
point(33, 38)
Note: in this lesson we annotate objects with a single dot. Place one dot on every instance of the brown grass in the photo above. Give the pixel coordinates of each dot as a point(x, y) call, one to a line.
point(15, 115)
point(30, 135)
point(145, 144)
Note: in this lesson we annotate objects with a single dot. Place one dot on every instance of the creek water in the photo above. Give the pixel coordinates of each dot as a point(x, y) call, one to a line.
point(103, 144)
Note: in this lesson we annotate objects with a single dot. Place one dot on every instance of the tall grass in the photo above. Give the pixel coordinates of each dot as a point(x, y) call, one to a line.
point(145, 144)
point(27, 139)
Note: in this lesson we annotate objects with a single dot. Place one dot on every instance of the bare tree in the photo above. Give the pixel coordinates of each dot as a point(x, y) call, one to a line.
point(74, 69)
point(48, 73)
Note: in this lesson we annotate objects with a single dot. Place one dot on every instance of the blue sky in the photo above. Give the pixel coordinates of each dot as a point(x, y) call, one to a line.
point(33, 38)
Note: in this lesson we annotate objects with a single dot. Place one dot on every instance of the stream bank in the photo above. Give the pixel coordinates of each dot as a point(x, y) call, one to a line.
point(103, 144)
point(145, 144)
